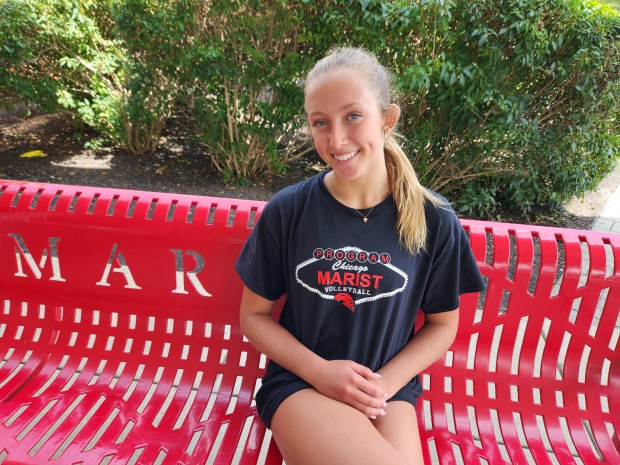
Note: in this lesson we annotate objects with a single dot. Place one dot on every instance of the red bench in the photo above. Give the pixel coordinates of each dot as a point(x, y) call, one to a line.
point(119, 340)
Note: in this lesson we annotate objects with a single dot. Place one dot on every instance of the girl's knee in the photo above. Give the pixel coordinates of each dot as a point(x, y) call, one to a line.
point(312, 429)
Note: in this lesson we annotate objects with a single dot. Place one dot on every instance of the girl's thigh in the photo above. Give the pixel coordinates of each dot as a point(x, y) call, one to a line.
point(311, 428)
point(400, 428)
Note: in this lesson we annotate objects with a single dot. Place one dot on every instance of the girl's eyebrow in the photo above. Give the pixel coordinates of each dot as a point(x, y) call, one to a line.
point(342, 108)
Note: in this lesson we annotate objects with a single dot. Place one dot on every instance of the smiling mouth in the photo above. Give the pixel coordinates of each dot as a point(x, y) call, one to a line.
point(345, 156)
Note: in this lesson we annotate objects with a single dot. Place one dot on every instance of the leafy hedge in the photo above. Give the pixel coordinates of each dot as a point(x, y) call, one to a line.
point(512, 103)
point(519, 101)
point(95, 61)
point(54, 54)
point(248, 98)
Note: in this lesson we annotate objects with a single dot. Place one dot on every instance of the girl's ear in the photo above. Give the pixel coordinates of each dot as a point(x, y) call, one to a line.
point(391, 117)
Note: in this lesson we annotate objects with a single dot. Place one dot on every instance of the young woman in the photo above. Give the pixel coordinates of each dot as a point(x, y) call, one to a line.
point(358, 250)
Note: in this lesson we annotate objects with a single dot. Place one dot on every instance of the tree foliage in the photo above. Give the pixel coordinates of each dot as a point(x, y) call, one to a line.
point(248, 96)
point(54, 54)
point(512, 103)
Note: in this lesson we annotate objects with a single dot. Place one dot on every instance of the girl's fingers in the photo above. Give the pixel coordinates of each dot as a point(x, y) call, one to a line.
point(369, 404)
point(370, 412)
point(367, 372)
point(372, 390)
point(353, 384)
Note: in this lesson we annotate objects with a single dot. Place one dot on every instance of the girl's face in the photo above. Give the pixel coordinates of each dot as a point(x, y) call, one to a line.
point(347, 124)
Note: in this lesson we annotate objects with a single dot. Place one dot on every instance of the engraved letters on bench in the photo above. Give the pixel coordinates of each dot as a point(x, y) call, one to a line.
point(24, 255)
point(22, 249)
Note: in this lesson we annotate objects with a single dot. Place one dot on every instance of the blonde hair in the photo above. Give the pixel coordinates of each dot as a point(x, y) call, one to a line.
point(409, 195)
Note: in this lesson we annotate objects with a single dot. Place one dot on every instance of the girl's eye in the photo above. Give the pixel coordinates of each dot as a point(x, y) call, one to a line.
point(354, 116)
point(319, 123)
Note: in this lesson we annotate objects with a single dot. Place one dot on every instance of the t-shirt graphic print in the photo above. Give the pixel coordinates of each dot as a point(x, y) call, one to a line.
point(350, 275)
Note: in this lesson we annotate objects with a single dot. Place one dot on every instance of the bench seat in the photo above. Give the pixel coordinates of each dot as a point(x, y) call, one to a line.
point(119, 338)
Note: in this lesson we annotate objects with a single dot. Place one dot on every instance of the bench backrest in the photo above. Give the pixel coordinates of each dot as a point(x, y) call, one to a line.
point(119, 308)
point(123, 286)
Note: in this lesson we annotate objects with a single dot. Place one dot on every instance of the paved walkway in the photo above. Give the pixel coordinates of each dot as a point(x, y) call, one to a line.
point(609, 218)
point(602, 205)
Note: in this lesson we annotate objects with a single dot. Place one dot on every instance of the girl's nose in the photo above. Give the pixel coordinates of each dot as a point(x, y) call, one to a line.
point(338, 136)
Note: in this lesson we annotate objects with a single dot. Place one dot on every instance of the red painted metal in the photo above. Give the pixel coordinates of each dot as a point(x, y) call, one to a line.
point(119, 340)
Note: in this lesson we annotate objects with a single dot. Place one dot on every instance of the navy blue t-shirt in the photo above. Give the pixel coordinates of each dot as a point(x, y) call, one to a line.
point(353, 292)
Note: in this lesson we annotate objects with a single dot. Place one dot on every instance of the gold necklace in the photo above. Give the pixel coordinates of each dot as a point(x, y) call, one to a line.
point(364, 217)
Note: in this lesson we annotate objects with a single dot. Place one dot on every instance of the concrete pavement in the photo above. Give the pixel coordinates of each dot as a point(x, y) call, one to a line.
point(609, 218)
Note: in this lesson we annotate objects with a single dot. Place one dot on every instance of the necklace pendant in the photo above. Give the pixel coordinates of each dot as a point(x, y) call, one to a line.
point(365, 219)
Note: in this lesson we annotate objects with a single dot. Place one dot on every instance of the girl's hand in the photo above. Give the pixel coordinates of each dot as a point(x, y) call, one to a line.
point(352, 384)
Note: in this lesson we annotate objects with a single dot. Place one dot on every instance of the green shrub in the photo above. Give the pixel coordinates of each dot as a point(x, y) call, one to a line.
point(110, 65)
point(157, 36)
point(54, 54)
point(506, 104)
point(525, 89)
point(247, 69)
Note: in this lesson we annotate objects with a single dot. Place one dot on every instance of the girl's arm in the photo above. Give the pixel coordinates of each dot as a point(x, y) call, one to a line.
point(343, 380)
point(428, 345)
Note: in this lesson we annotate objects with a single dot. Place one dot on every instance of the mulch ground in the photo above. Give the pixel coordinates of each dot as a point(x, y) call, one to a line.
point(180, 165)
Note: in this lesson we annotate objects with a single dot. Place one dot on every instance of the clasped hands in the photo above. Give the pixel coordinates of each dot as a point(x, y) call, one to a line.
point(353, 384)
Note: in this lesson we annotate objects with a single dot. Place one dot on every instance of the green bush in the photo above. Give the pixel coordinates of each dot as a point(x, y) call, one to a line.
point(248, 98)
point(506, 104)
point(157, 37)
point(519, 100)
point(54, 54)
point(110, 65)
